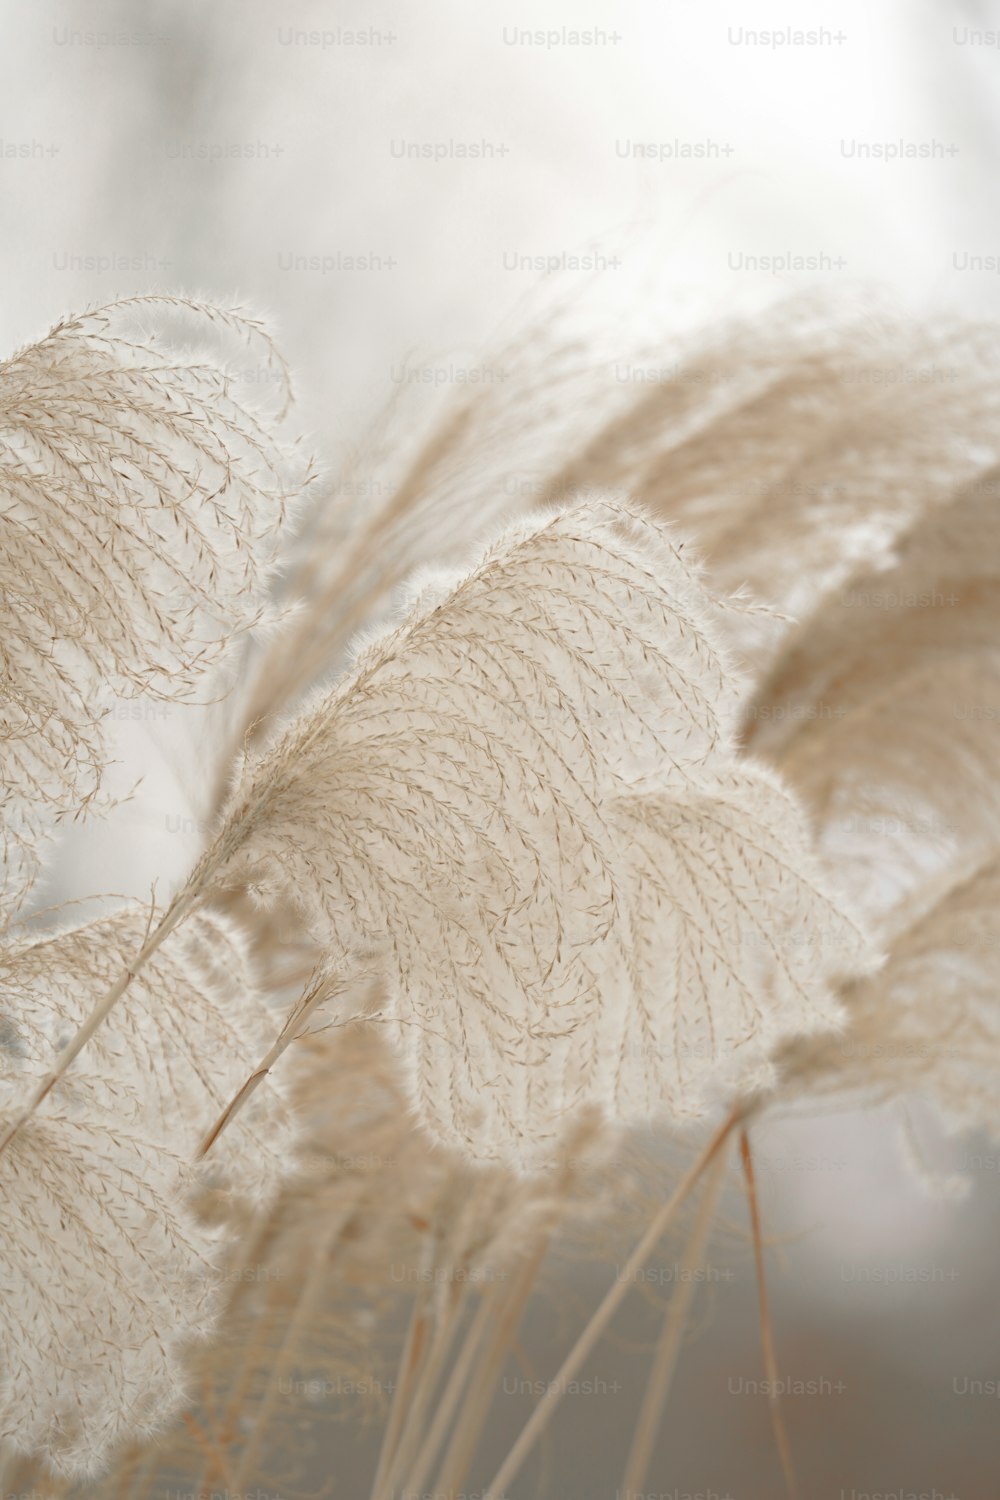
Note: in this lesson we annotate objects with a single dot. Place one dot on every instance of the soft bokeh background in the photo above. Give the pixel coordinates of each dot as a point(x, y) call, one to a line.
point(247, 149)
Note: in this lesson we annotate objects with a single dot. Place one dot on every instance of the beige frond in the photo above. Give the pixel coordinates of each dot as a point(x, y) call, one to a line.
point(883, 707)
point(794, 444)
point(738, 939)
point(171, 1056)
point(107, 1272)
point(141, 500)
point(453, 803)
point(928, 1025)
point(106, 1276)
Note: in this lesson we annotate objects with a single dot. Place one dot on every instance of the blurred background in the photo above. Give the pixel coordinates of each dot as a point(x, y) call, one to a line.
point(387, 182)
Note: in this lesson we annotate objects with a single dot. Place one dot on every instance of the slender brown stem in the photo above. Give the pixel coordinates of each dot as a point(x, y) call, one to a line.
point(456, 1385)
point(766, 1327)
point(183, 903)
point(249, 1247)
point(174, 914)
point(669, 1344)
point(546, 1407)
point(409, 1440)
point(479, 1397)
point(320, 988)
point(410, 1362)
point(308, 1301)
point(449, 1305)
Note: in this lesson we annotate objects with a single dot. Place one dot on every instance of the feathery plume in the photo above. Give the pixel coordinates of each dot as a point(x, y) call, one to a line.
point(107, 1272)
point(527, 805)
point(141, 500)
point(106, 1276)
point(738, 940)
point(169, 1059)
point(928, 1025)
point(454, 802)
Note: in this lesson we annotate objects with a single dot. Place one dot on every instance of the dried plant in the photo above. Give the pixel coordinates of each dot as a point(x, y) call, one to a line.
point(459, 800)
point(539, 867)
point(142, 502)
point(106, 1278)
point(118, 1273)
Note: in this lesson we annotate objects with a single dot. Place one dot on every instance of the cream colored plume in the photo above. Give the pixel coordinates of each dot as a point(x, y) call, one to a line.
point(736, 941)
point(928, 1025)
point(543, 807)
point(169, 1058)
point(140, 503)
point(107, 1274)
point(483, 800)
